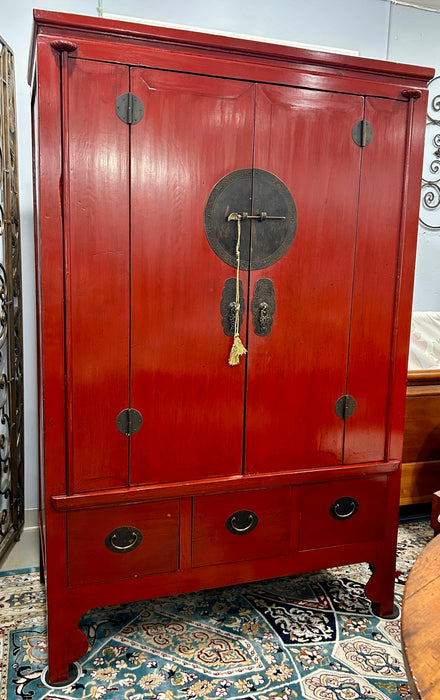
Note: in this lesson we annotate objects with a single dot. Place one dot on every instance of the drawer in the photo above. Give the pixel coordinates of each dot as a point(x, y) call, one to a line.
point(241, 526)
point(107, 544)
point(342, 512)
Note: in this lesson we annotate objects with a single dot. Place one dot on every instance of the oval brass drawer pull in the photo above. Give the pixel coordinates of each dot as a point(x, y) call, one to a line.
point(344, 508)
point(241, 522)
point(123, 539)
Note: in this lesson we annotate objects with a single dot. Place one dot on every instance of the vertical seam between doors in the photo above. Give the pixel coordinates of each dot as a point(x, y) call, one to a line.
point(353, 275)
point(130, 218)
point(243, 459)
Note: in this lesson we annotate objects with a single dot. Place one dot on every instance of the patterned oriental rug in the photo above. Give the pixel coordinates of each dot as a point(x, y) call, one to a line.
point(310, 637)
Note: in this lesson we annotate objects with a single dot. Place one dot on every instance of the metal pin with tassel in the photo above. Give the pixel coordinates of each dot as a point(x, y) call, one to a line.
point(237, 346)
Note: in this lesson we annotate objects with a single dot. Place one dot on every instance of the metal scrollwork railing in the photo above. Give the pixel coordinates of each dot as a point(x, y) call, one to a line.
point(11, 333)
point(430, 203)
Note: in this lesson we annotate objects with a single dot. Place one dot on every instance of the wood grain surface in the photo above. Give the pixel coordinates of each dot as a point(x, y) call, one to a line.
point(420, 629)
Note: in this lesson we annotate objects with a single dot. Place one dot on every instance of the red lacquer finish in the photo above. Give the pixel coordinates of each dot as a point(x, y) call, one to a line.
point(195, 130)
point(267, 519)
point(367, 495)
point(414, 147)
point(298, 372)
point(375, 279)
point(97, 261)
point(236, 473)
point(155, 549)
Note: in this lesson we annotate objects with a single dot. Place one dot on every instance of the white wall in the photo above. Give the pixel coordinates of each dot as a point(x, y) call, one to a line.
point(375, 28)
point(330, 23)
point(15, 29)
point(414, 39)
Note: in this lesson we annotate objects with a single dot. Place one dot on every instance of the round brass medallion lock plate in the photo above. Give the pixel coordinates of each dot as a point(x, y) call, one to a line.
point(270, 229)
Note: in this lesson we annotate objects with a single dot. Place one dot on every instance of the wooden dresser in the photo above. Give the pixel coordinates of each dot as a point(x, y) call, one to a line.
point(421, 444)
point(161, 157)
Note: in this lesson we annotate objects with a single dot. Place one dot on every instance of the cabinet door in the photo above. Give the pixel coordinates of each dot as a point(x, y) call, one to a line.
point(194, 131)
point(376, 277)
point(96, 234)
point(297, 372)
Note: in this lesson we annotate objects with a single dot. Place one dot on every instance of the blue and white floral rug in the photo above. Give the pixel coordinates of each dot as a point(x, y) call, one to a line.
point(309, 637)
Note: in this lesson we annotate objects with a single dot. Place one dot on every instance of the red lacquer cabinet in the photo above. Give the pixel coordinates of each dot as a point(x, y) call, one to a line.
point(160, 157)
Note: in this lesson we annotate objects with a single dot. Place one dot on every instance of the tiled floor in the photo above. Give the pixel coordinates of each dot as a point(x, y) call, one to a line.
point(26, 552)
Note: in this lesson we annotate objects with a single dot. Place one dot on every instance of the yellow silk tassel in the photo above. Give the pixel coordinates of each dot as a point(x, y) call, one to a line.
point(237, 346)
point(236, 350)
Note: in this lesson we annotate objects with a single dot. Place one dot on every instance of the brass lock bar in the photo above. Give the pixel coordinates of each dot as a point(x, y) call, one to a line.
point(260, 217)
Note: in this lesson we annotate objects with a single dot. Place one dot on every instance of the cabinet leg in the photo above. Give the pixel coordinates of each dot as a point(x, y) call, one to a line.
point(435, 512)
point(73, 675)
point(377, 610)
point(42, 576)
point(380, 588)
point(66, 642)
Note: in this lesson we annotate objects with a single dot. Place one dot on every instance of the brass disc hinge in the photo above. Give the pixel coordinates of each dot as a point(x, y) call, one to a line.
point(129, 421)
point(129, 108)
point(362, 133)
point(345, 406)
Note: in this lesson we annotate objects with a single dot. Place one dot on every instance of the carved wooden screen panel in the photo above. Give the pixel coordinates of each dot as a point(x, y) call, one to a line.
point(11, 335)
